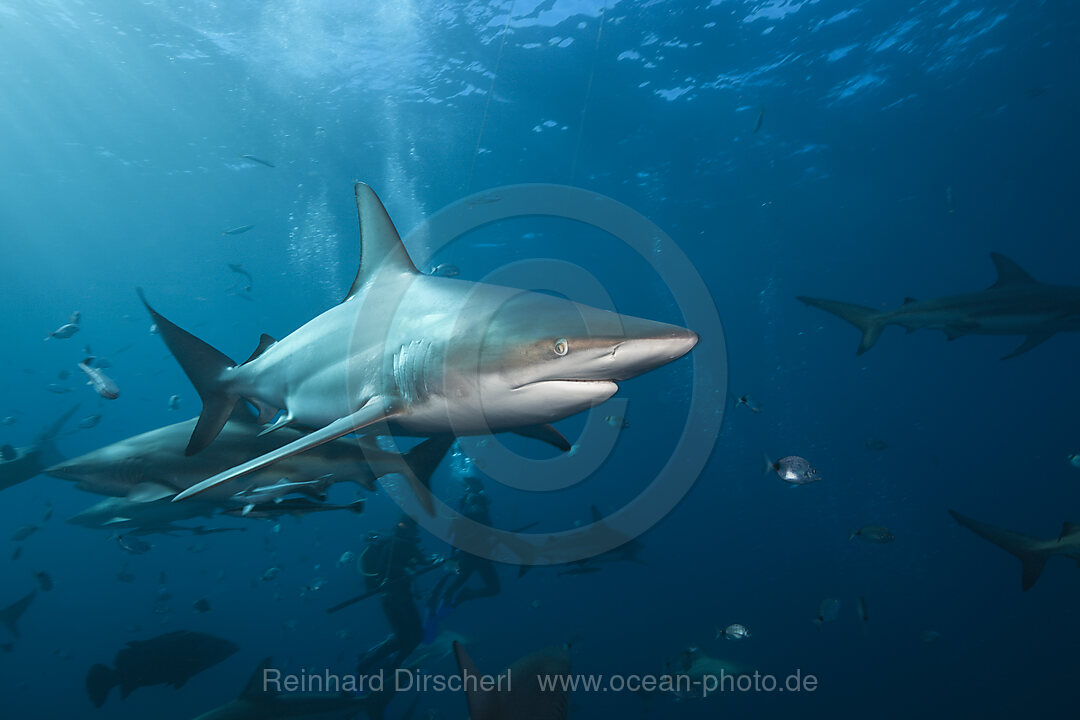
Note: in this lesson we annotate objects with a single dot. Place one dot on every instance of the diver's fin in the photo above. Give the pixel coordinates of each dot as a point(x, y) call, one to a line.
point(869, 321)
point(265, 341)
point(1033, 339)
point(375, 410)
point(381, 249)
point(204, 366)
point(10, 615)
point(1009, 273)
point(1024, 547)
point(422, 461)
point(545, 433)
point(483, 705)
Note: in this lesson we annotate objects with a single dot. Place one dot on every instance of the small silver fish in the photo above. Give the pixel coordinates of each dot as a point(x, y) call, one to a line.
point(346, 558)
point(861, 608)
point(445, 270)
point(174, 402)
point(617, 421)
point(827, 611)
point(792, 469)
point(254, 159)
point(873, 534)
point(102, 383)
point(133, 545)
point(24, 532)
point(1074, 460)
point(270, 574)
point(202, 605)
point(238, 230)
point(63, 332)
point(735, 631)
point(9, 420)
point(748, 402)
point(90, 421)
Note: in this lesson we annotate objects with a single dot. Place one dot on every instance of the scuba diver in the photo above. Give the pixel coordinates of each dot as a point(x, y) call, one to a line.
point(388, 564)
point(451, 590)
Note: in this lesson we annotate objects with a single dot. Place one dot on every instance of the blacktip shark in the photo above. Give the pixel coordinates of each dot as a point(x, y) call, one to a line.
point(523, 698)
point(1032, 553)
point(148, 467)
point(422, 355)
point(257, 702)
point(19, 464)
point(1016, 304)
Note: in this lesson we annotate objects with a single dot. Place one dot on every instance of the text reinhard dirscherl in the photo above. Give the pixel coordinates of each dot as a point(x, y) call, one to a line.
point(409, 679)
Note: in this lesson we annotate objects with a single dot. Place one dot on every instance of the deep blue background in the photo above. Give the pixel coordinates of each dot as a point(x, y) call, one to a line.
point(121, 128)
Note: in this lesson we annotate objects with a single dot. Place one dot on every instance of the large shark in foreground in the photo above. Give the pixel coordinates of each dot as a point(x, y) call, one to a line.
point(1031, 552)
point(423, 355)
point(1016, 304)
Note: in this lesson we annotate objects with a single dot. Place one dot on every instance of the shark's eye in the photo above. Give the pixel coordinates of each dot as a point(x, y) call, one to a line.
point(561, 346)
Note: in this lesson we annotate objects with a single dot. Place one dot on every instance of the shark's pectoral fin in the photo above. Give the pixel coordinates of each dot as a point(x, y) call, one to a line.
point(281, 422)
point(1033, 339)
point(483, 705)
point(375, 410)
point(149, 492)
point(545, 433)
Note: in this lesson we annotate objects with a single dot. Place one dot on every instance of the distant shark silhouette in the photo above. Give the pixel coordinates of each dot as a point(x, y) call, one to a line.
point(423, 355)
point(1016, 304)
point(1031, 552)
point(10, 615)
point(20, 464)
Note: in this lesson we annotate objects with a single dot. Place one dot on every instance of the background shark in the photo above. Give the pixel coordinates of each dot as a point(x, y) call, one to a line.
point(22, 463)
point(147, 467)
point(255, 703)
point(423, 355)
point(1031, 552)
point(1016, 304)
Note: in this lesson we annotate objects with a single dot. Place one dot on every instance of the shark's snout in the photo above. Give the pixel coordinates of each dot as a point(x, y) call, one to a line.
point(649, 347)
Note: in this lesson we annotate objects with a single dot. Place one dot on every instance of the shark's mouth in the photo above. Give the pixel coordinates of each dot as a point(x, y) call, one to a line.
point(572, 385)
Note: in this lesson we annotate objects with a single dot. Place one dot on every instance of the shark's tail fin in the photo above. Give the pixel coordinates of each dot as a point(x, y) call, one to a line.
point(100, 680)
point(1023, 547)
point(422, 461)
point(869, 321)
point(10, 615)
point(46, 439)
point(205, 367)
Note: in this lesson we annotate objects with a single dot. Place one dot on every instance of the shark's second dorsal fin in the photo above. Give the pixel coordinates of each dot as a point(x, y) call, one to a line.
point(265, 341)
point(381, 249)
point(254, 689)
point(1009, 273)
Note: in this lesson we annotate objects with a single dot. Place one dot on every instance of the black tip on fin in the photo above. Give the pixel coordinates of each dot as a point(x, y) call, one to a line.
point(547, 434)
point(422, 461)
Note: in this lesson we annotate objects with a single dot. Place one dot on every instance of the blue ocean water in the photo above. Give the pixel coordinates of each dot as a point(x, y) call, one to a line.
point(858, 151)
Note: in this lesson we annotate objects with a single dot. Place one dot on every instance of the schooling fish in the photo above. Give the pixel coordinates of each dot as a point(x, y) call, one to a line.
point(63, 332)
point(873, 534)
point(792, 469)
point(238, 230)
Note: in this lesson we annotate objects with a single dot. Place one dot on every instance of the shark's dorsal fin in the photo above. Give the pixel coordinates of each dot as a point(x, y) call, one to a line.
point(1070, 529)
point(909, 300)
point(254, 688)
point(381, 249)
point(265, 341)
point(1009, 273)
point(483, 705)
